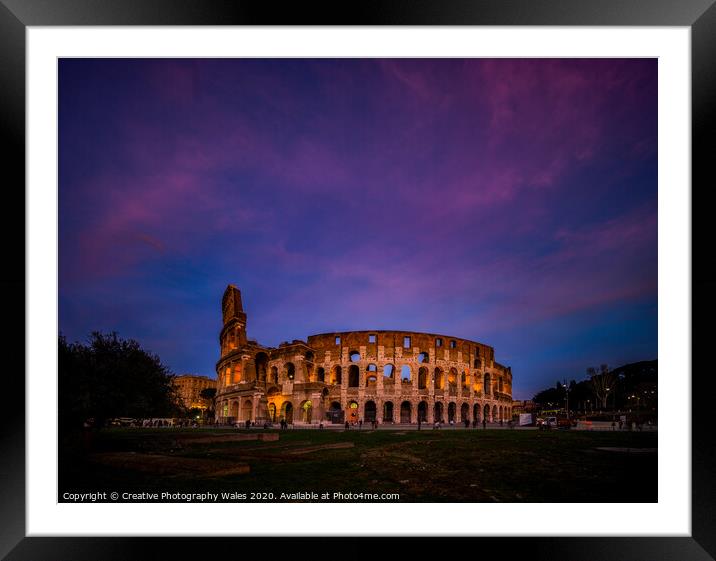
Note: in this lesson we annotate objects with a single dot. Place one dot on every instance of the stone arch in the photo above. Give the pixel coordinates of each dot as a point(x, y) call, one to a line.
point(388, 373)
point(353, 376)
point(463, 381)
point(370, 411)
point(439, 378)
point(438, 411)
point(335, 413)
point(234, 410)
point(499, 384)
point(273, 377)
point(452, 412)
point(486, 413)
point(371, 380)
point(406, 411)
point(272, 412)
point(309, 371)
point(287, 411)
point(423, 357)
point(494, 413)
point(290, 371)
point(422, 378)
point(354, 356)
point(247, 410)
point(321, 374)
point(336, 375)
point(261, 362)
point(353, 411)
point(465, 412)
point(306, 411)
point(406, 374)
point(388, 413)
point(476, 412)
point(452, 381)
point(423, 411)
point(486, 386)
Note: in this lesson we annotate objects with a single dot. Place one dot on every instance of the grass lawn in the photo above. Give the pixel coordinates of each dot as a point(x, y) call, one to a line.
point(449, 465)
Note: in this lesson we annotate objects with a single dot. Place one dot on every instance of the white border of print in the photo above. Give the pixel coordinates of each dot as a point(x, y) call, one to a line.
point(671, 516)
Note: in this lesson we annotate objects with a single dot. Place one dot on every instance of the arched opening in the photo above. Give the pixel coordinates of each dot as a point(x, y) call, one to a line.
point(499, 384)
point(273, 378)
point(354, 356)
point(464, 413)
point(321, 374)
point(423, 357)
point(246, 410)
point(309, 366)
point(422, 378)
point(476, 412)
point(452, 381)
point(335, 414)
point(290, 371)
point(486, 413)
point(439, 379)
point(370, 411)
point(234, 410)
point(405, 374)
point(353, 376)
point(371, 382)
point(272, 412)
point(452, 409)
point(438, 412)
point(261, 367)
point(423, 411)
point(388, 412)
point(487, 388)
point(405, 412)
point(287, 411)
point(494, 413)
point(372, 368)
point(353, 411)
point(388, 374)
point(336, 376)
point(463, 381)
point(306, 411)
point(477, 363)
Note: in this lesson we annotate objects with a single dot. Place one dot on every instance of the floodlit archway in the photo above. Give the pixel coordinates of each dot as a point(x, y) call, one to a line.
point(486, 413)
point(287, 411)
point(306, 411)
point(439, 379)
point(476, 412)
point(464, 412)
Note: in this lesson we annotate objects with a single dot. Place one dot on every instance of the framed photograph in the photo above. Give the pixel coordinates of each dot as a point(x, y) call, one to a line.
point(296, 274)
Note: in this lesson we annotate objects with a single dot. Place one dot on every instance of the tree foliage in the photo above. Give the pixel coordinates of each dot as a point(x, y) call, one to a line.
point(111, 377)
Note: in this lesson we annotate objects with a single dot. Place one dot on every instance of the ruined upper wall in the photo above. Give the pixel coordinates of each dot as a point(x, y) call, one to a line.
point(442, 347)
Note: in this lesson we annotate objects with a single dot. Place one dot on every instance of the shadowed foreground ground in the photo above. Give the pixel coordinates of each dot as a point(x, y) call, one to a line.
point(448, 465)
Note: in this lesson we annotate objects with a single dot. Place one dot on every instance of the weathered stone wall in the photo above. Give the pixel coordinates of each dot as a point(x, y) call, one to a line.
point(390, 376)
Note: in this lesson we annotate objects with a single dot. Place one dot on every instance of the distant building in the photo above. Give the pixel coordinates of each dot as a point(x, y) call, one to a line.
point(526, 406)
point(189, 387)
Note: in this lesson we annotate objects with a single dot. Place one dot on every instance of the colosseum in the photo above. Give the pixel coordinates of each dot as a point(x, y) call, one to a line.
point(385, 376)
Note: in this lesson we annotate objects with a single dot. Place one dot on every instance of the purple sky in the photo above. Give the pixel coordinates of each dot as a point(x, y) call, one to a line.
point(512, 202)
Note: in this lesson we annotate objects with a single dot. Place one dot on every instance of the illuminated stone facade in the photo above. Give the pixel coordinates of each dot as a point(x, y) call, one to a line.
point(387, 376)
point(188, 389)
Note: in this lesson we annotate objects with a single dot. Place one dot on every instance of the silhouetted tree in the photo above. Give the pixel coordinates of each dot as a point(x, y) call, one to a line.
point(111, 377)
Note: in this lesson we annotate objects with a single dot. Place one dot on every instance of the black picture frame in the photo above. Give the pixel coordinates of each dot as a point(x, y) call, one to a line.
point(17, 15)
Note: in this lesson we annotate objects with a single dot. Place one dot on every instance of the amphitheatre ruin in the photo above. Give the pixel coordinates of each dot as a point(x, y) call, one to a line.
point(392, 377)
